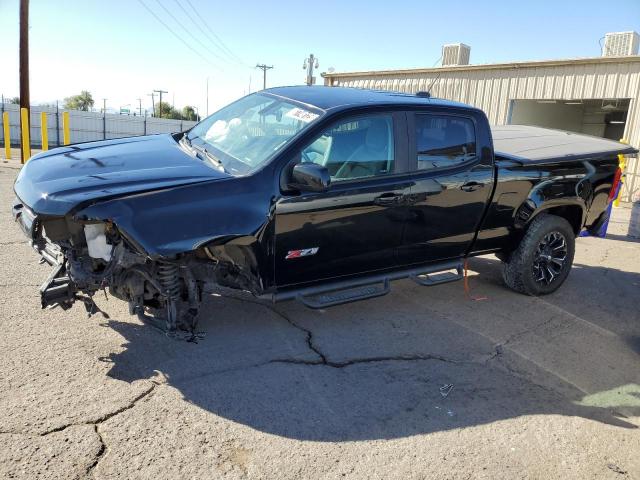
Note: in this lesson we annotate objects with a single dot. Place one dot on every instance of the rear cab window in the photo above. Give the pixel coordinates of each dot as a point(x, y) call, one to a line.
point(444, 141)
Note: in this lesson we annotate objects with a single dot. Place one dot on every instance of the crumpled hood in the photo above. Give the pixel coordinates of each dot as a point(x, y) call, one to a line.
point(54, 182)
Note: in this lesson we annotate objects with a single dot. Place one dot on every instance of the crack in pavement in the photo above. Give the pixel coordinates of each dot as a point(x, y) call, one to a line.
point(109, 415)
point(97, 422)
point(359, 361)
point(499, 351)
point(499, 348)
point(323, 360)
point(101, 452)
point(309, 334)
point(96, 426)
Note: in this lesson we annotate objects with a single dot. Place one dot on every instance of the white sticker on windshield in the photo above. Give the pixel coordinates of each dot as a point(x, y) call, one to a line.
point(303, 115)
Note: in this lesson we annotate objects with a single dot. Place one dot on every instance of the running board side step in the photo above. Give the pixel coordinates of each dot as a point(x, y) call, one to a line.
point(428, 280)
point(346, 295)
point(371, 286)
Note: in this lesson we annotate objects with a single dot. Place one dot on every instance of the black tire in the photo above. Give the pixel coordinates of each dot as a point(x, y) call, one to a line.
point(534, 267)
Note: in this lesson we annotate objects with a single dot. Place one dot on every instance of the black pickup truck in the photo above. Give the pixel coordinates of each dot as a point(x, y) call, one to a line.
point(319, 194)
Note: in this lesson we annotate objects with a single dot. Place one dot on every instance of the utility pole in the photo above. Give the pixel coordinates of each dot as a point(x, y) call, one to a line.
point(24, 64)
point(153, 103)
point(140, 106)
point(160, 102)
point(264, 69)
point(104, 118)
point(308, 65)
point(207, 96)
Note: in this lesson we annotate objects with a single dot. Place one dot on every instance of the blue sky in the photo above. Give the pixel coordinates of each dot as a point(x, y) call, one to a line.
point(119, 51)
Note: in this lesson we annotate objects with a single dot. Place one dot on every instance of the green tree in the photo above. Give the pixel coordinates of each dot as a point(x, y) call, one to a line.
point(83, 102)
point(189, 113)
point(168, 112)
point(14, 100)
point(173, 114)
point(163, 110)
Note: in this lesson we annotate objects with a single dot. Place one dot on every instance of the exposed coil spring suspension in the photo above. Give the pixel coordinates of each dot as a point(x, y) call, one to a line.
point(169, 279)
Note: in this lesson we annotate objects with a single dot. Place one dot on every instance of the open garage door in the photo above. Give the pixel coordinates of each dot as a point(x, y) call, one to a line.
point(602, 118)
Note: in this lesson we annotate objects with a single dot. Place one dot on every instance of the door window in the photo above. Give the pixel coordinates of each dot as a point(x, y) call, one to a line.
point(359, 147)
point(444, 141)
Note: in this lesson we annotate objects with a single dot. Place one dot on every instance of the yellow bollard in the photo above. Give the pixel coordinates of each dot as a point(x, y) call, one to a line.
point(44, 133)
point(65, 128)
point(622, 164)
point(26, 136)
point(7, 135)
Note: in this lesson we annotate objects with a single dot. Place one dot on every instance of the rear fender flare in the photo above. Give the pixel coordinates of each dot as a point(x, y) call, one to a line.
point(574, 210)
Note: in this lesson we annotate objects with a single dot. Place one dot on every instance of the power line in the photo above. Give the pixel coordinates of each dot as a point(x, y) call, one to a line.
point(213, 41)
point(222, 44)
point(177, 36)
point(168, 12)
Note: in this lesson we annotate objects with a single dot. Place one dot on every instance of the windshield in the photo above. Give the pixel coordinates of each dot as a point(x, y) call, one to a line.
point(244, 135)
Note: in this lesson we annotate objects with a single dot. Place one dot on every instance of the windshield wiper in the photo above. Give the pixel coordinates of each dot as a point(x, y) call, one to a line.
point(203, 151)
point(210, 156)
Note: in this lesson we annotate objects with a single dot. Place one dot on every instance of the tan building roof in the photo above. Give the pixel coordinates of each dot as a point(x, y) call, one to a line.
point(491, 66)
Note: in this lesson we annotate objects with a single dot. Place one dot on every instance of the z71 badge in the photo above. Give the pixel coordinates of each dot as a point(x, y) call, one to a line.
point(305, 252)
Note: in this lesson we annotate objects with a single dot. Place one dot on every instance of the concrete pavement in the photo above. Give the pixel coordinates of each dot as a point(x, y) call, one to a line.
point(542, 387)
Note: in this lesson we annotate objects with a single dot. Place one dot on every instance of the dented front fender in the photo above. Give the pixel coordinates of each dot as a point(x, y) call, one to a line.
point(226, 217)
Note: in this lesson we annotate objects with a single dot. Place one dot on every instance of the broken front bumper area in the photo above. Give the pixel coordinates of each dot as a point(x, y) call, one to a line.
point(90, 256)
point(58, 289)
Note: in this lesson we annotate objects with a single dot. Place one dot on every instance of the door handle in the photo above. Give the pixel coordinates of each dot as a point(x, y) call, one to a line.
point(388, 199)
point(471, 186)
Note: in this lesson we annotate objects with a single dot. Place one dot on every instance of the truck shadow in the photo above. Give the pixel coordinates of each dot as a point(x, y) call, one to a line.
point(622, 238)
point(376, 369)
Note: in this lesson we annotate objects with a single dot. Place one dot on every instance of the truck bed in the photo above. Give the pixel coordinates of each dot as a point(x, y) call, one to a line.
point(536, 145)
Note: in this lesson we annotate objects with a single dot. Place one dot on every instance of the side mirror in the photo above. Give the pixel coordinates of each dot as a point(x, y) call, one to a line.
point(310, 177)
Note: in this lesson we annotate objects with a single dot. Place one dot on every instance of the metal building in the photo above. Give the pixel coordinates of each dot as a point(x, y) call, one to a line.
point(597, 96)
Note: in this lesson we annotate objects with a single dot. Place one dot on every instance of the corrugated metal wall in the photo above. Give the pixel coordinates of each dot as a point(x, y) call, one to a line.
point(492, 90)
point(87, 126)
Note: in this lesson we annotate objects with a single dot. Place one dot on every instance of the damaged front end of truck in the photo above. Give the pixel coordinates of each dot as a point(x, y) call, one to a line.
point(147, 220)
point(92, 258)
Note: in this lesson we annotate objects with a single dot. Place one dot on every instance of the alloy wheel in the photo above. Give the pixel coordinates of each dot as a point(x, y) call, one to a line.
point(550, 258)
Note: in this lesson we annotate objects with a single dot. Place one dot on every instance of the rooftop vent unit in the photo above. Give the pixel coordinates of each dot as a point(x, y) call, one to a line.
point(455, 54)
point(620, 44)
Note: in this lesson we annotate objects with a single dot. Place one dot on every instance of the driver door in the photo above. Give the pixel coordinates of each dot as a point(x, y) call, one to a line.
point(355, 226)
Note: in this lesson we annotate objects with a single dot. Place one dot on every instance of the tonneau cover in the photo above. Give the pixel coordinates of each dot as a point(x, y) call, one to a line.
point(540, 145)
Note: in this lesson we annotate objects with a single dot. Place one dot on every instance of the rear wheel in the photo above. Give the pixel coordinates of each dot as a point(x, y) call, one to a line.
point(542, 261)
